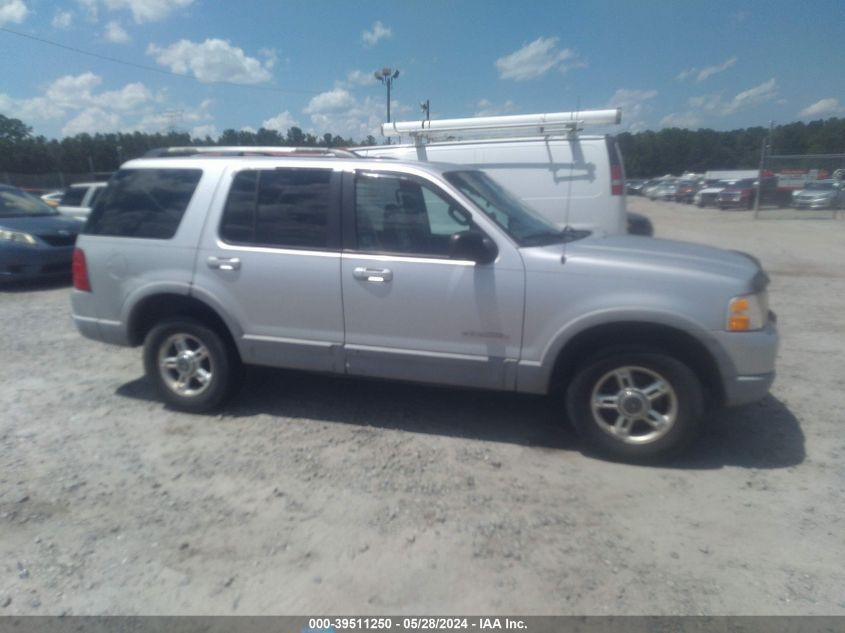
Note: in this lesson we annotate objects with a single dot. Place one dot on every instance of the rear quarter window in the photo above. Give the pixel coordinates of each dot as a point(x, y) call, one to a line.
point(145, 203)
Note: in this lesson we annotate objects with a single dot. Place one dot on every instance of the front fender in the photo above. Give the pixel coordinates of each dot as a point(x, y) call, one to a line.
point(536, 376)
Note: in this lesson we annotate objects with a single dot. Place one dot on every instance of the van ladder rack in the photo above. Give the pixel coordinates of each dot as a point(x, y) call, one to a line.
point(482, 127)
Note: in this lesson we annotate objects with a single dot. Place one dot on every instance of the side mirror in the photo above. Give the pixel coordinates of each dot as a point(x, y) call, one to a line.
point(473, 246)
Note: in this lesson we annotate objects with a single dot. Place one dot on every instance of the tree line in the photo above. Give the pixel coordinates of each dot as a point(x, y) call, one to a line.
point(646, 154)
point(675, 150)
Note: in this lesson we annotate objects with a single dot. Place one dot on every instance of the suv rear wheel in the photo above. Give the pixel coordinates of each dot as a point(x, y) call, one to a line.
point(190, 365)
point(635, 405)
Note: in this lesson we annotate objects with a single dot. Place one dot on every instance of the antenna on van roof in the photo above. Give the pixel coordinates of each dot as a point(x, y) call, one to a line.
point(483, 127)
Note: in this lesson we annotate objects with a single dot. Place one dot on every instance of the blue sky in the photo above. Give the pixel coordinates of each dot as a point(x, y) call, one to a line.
point(204, 66)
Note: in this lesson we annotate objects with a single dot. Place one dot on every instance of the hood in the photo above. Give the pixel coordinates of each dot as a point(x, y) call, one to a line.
point(42, 225)
point(631, 255)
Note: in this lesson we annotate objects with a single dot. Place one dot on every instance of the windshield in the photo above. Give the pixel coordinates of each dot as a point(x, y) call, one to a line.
point(522, 223)
point(15, 203)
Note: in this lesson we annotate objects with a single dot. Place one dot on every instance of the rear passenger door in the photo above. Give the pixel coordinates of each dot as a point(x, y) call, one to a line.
point(270, 259)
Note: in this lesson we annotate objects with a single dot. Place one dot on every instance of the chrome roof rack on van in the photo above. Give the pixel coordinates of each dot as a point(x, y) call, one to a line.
point(209, 150)
point(485, 127)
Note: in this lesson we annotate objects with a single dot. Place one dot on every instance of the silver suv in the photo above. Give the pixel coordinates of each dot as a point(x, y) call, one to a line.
point(414, 271)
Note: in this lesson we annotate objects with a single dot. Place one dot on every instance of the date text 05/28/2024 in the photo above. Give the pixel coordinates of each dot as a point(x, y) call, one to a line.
point(339, 625)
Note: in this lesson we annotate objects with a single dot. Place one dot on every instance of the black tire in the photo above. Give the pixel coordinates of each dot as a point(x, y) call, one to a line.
point(209, 369)
point(680, 407)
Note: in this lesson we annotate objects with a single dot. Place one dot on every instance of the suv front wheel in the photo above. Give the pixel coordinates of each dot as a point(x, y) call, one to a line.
point(635, 405)
point(189, 364)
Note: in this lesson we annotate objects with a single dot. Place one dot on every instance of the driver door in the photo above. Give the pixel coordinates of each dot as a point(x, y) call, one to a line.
point(412, 312)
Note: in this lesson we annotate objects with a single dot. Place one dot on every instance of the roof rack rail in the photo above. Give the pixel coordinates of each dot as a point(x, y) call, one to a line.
point(208, 150)
point(479, 127)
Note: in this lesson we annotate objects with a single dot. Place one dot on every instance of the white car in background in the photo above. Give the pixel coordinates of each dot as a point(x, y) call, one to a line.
point(77, 200)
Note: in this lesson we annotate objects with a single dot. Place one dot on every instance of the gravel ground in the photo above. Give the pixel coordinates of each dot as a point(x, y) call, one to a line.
point(314, 494)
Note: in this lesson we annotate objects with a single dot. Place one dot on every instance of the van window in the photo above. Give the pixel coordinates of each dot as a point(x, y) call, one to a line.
point(286, 208)
point(146, 203)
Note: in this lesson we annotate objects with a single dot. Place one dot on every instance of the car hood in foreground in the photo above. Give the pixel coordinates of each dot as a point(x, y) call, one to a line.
point(636, 256)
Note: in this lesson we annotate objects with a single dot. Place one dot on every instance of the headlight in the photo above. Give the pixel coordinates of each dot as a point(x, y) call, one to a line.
point(16, 236)
point(748, 312)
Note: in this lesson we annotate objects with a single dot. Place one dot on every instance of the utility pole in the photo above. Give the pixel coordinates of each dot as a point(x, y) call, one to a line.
point(387, 75)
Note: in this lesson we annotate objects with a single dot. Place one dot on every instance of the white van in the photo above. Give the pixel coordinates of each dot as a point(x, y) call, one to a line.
point(572, 180)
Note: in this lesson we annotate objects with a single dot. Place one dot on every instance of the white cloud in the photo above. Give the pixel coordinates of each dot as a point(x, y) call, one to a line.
point(686, 74)
point(92, 121)
point(77, 92)
point(681, 119)
point(89, 7)
point(360, 78)
point(116, 34)
point(766, 91)
point(36, 109)
point(717, 105)
point(201, 131)
point(62, 21)
point(12, 12)
point(340, 113)
point(377, 33)
point(79, 102)
point(142, 11)
point(212, 60)
point(709, 71)
point(282, 122)
point(485, 107)
point(824, 106)
point(160, 120)
point(635, 105)
point(536, 59)
point(332, 101)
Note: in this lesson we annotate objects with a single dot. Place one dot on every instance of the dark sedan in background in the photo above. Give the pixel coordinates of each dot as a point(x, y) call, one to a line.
point(35, 240)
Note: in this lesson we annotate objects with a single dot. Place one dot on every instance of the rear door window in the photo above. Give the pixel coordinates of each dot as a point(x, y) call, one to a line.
point(146, 203)
point(283, 208)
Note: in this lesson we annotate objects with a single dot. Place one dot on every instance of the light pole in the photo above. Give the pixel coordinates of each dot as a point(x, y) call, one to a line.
point(386, 75)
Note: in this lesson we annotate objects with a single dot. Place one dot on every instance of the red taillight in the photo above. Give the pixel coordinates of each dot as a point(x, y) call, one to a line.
point(80, 271)
point(617, 186)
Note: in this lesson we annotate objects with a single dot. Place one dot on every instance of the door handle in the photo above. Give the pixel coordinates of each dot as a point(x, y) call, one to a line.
point(224, 263)
point(374, 275)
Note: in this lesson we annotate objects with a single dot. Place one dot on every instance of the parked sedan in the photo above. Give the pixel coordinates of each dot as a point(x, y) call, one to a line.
point(821, 194)
point(79, 198)
point(709, 195)
point(686, 191)
point(665, 191)
point(53, 198)
point(35, 240)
